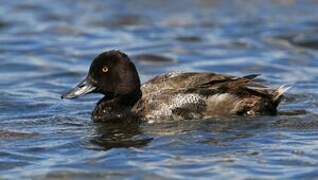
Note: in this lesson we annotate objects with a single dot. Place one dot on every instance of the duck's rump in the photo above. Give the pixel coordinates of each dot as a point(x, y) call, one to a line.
point(199, 95)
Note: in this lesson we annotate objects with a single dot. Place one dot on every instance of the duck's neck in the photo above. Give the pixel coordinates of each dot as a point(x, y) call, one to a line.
point(130, 99)
point(122, 100)
point(113, 107)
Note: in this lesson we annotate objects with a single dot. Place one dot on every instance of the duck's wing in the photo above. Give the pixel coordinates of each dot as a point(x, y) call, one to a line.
point(176, 80)
point(189, 103)
point(195, 80)
point(192, 94)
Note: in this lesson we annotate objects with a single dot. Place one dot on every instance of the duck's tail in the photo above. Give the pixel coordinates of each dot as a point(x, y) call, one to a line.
point(279, 92)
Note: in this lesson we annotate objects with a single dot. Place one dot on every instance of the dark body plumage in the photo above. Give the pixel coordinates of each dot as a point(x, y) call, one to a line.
point(173, 96)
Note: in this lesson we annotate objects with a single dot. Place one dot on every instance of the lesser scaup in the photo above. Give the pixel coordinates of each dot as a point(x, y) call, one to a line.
point(173, 95)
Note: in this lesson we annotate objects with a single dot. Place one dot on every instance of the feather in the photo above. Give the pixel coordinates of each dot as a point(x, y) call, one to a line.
point(280, 91)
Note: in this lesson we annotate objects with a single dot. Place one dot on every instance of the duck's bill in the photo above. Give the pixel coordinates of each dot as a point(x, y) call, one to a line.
point(82, 88)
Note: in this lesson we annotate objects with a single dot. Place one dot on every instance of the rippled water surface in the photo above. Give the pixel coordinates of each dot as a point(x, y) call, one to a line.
point(47, 46)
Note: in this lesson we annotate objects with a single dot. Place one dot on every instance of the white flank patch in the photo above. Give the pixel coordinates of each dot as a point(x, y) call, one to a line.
point(179, 100)
point(216, 104)
point(222, 103)
point(219, 98)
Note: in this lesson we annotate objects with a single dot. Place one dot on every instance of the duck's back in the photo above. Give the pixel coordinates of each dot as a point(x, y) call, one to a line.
point(200, 95)
point(179, 80)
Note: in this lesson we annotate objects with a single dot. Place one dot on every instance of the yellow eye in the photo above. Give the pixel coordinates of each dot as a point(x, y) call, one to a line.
point(105, 69)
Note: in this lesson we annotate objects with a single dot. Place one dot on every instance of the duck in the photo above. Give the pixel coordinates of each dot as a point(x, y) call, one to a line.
point(171, 96)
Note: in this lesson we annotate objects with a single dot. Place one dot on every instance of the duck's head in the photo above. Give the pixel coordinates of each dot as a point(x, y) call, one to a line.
point(111, 73)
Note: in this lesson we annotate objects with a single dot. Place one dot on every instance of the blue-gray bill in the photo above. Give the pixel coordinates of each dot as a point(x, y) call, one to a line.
point(84, 87)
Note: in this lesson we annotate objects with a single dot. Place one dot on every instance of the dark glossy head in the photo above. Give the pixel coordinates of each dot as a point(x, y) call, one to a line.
point(111, 73)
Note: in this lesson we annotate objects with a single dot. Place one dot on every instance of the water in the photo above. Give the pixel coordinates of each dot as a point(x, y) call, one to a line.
point(47, 46)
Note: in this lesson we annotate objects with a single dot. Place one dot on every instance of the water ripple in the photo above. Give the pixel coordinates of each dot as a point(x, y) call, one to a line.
point(46, 47)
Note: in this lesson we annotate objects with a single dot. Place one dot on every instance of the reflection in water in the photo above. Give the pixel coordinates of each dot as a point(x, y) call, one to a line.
point(117, 135)
point(303, 39)
point(16, 135)
point(105, 136)
point(301, 121)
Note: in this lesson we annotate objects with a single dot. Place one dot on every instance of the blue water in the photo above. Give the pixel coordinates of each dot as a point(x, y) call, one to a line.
point(46, 47)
